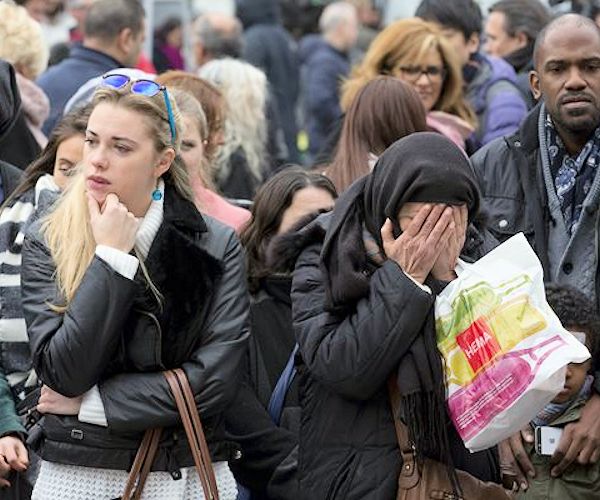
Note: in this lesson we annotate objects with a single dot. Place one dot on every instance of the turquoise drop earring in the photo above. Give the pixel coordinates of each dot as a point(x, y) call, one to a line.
point(156, 195)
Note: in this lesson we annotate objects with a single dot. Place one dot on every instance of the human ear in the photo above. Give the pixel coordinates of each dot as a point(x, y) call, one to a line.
point(521, 39)
point(473, 43)
point(534, 84)
point(125, 40)
point(165, 161)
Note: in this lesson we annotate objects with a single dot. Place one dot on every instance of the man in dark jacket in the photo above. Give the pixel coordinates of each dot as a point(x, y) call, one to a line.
point(543, 181)
point(269, 47)
point(490, 82)
point(18, 146)
point(114, 34)
point(510, 31)
point(325, 63)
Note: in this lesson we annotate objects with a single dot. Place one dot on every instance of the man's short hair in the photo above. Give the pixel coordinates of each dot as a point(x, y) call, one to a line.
point(574, 309)
point(462, 15)
point(522, 16)
point(218, 42)
point(334, 14)
point(107, 18)
point(564, 19)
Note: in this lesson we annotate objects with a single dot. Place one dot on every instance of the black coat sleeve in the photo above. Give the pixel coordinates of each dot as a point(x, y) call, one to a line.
point(71, 350)
point(353, 355)
point(266, 448)
point(138, 401)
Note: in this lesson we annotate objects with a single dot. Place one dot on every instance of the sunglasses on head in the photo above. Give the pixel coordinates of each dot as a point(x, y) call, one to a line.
point(148, 88)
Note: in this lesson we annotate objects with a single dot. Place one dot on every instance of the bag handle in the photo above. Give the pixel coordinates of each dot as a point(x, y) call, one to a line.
point(141, 465)
point(186, 404)
point(410, 475)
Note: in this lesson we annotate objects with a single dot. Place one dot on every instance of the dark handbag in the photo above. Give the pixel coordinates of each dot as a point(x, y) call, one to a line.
point(27, 409)
point(20, 488)
point(430, 480)
point(142, 464)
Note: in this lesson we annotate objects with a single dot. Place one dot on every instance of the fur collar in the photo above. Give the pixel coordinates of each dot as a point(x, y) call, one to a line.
point(184, 273)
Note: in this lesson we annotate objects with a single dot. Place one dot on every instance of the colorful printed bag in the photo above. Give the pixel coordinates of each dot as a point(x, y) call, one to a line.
point(504, 349)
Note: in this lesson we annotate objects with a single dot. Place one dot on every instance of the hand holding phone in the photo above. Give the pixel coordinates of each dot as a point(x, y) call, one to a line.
point(547, 439)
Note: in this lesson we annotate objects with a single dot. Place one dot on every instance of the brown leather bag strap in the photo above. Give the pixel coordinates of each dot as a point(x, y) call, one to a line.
point(204, 456)
point(152, 449)
point(190, 419)
point(410, 475)
point(401, 429)
point(141, 465)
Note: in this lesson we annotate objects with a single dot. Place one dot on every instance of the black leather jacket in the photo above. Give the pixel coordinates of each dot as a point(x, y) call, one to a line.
point(116, 335)
point(348, 446)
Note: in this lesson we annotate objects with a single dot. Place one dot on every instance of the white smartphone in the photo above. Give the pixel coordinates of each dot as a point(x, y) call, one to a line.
point(547, 439)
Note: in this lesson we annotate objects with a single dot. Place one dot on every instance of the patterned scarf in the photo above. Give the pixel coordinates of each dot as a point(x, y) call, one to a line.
point(552, 411)
point(573, 176)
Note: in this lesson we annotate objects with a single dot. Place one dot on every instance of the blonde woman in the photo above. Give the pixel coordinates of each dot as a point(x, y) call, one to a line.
point(193, 153)
point(242, 160)
point(416, 52)
point(23, 46)
point(122, 280)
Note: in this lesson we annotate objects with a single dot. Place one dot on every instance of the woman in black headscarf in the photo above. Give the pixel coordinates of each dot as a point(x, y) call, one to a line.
point(363, 310)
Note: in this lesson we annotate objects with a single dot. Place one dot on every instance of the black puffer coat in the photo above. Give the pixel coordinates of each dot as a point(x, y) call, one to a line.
point(348, 446)
point(115, 335)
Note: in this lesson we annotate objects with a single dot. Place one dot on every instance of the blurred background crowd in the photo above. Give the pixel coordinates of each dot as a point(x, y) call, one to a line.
point(307, 59)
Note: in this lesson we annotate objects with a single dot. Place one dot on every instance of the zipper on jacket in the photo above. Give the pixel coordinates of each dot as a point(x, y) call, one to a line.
point(158, 347)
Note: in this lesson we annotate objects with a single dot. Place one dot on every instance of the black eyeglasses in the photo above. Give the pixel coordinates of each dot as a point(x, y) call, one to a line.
point(433, 73)
point(148, 88)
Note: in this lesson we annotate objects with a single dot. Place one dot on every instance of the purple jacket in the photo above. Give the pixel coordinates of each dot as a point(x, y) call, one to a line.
point(495, 97)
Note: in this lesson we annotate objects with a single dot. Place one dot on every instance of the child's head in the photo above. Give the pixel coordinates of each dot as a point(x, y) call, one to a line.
point(578, 315)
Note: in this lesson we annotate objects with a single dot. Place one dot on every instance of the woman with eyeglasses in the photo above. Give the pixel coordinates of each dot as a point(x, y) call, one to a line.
point(416, 52)
point(122, 280)
point(37, 190)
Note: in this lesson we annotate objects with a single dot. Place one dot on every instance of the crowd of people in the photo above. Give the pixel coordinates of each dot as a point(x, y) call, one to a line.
point(272, 215)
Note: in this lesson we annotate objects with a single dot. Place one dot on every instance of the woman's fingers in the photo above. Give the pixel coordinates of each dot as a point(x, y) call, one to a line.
point(387, 233)
point(432, 220)
point(416, 224)
point(442, 223)
point(93, 206)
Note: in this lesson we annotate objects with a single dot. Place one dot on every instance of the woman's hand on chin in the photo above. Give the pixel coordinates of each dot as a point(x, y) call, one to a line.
point(112, 224)
point(52, 402)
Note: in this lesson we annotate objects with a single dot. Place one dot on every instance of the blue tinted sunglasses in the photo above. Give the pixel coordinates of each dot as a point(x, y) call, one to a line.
point(143, 87)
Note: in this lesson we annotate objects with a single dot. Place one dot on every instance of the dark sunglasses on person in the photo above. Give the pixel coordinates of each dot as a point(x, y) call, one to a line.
point(433, 73)
point(148, 88)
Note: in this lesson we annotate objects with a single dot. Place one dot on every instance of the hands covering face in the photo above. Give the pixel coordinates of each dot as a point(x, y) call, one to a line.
point(430, 244)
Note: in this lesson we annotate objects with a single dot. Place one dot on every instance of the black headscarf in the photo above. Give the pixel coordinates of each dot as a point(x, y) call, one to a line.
point(422, 167)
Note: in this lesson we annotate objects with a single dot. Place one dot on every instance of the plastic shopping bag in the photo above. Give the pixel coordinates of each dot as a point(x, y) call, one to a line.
point(505, 351)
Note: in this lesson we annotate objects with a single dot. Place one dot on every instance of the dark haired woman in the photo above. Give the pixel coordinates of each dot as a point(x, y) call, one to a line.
point(267, 432)
point(383, 111)
point(43, 179)
point(168, 42)
point(363, 301)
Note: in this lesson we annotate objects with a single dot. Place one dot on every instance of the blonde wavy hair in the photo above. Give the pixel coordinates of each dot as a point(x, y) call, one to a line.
point(406, 42)
point(22, 41)
point(67, 228)
point(245, 91)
